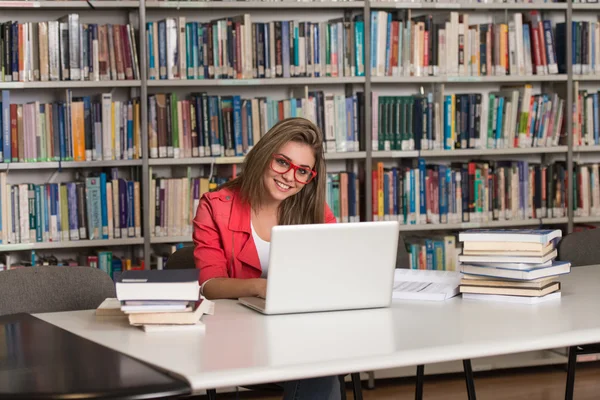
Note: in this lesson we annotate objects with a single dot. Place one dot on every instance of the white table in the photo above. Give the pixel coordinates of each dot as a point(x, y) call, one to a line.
point(241, 347)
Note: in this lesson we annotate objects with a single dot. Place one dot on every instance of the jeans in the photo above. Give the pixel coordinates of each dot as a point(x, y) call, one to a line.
point(323, 388)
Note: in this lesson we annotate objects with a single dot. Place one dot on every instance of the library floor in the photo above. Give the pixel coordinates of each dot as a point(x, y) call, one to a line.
point(543, 383)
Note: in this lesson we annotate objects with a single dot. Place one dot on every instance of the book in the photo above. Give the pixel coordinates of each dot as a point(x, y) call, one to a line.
point(516, 266)
point(200, 308)
point(508, 250)
point(476, 280)
point(425, 284)
point(557, 268)
point(197, 327)
point(511, 291)
point(110, 307)
point(176, 284)
point(512, 247)
point(156, 308)
point(512, 299)
point(510, 235)
point(507, 258)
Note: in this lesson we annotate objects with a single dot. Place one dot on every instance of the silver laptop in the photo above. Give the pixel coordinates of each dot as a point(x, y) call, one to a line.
point(327, 267)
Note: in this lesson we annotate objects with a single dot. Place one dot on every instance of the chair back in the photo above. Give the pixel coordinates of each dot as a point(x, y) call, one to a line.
point(580, 248)
point(402, 256)
point(183, 258)
point(53, 289)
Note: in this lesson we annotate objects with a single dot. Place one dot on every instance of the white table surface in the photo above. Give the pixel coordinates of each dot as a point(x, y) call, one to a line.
point(240, 346)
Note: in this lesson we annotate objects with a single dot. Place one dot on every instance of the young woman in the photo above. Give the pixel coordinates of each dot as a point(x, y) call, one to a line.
point(282, 183)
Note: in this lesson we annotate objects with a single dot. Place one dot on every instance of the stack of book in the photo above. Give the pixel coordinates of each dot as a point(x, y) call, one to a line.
point(163, 300)
point(511, 265)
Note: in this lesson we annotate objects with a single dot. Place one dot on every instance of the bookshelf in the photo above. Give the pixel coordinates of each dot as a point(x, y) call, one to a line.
point(138, 13)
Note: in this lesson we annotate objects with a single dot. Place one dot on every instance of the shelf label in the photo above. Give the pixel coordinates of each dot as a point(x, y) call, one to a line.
point(20, 4)
point(235, 82)
point(408, 5)
point(464, 79)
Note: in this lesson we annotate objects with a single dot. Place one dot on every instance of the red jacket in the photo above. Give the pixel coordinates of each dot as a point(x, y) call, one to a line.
point(224, 247)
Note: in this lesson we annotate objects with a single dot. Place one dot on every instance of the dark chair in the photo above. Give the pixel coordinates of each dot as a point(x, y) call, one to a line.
point(53, 289)
point(580, 249)
point(184, 258)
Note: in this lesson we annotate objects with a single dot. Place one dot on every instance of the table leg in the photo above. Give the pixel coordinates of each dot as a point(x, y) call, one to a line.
point(212, 394)
point(419, 388)
point(571, 373)
point(371, 381)
point(469, 379)
point(356, 386)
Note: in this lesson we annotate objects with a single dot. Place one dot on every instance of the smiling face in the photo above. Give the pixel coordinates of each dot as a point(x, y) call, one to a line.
point(280, 186)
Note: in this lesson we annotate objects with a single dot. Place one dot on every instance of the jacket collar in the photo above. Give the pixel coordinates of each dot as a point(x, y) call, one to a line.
point(239, 219)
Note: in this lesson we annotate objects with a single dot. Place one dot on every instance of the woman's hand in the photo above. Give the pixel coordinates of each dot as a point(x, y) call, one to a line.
point(261, 288)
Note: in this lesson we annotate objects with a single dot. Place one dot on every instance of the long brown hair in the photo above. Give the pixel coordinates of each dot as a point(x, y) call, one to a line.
point(308, 205)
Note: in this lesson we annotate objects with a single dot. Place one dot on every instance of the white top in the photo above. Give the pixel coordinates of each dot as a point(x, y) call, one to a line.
point(285, 347)
point(263, 248)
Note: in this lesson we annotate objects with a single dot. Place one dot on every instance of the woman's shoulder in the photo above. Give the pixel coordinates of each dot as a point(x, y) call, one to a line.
point(223, 195)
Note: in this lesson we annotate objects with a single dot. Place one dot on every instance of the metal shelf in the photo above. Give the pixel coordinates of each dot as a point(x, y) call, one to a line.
point(492, 152)
point(586, 220)
point(468, 6)
point(586, 149)
point(555, 221)
point(180, 161)
point(255, 82)
point(469, 225)
point(354, 155)
point(69, 84)
point(586, 6)
point(171, 239)
point(469, 152)
point(396, 154)
point(69, 164)
point(255, 5)
point(586, 78)
point(62, 4)
point(71, 244)
point(469, 79)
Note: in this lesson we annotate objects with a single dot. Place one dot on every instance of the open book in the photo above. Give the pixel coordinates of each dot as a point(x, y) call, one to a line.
point(411, 284)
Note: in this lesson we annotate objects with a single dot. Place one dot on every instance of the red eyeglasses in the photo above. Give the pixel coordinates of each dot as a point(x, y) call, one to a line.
point(282, 165)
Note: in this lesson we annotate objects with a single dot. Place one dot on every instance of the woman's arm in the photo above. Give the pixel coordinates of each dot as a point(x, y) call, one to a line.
point(231, 288)
point(211, 261)
point(329, 216)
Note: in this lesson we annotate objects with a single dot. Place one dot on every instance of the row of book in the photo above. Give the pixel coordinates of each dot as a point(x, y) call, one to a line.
point(343, 195)
point(90, 208)
point(237, 48)
point(76, 129)
point(173, 204)
point(437, 253)
point(417, 46)
point(586, 190)
point(229, 126)
point(513, 117)
point(67, 50)
point(469, 192)
point(586, 118)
